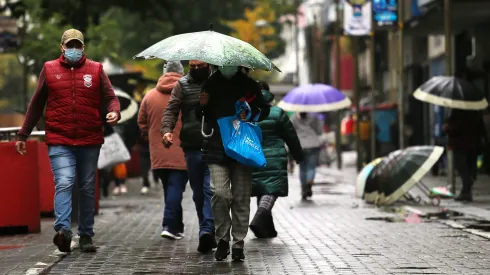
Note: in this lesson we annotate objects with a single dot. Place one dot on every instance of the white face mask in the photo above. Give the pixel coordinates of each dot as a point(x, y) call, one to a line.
point(228, 72)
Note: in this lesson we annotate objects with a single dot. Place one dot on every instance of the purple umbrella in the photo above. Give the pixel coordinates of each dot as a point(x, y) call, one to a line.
point(314, 98)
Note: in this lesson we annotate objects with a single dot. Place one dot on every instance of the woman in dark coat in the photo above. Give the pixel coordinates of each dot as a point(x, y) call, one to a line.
point(271, 182)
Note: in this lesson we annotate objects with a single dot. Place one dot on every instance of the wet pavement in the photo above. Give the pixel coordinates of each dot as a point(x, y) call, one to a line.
point(329, 234)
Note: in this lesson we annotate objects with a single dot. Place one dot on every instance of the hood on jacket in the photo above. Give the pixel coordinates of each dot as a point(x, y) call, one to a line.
point(167, 82)
point(268, 96)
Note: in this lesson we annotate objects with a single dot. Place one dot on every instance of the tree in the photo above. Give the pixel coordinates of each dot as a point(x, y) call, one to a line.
point(256, 28)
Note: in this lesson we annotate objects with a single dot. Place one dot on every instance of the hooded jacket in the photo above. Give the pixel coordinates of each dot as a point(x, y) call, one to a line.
point(149, 118)
point(277, 130)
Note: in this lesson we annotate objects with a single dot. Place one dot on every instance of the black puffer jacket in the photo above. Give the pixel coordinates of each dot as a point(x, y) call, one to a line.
point(223, 94)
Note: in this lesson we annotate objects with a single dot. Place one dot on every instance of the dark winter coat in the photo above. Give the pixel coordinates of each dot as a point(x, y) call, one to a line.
point(277, 130)
point(465, 130)
point(223, 94)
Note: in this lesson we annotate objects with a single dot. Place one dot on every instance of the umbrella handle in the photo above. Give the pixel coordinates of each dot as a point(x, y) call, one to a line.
point(202, 130)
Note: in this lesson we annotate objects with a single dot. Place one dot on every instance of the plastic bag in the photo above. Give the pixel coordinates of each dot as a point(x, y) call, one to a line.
point(242, 141)
point(112, 152)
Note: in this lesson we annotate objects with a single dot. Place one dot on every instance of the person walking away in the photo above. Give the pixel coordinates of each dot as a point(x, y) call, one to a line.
point(145, 164)
point(167, 162)
point(271, 182)
point(184, 99)
point(465, 131)
point(347, 129)
point(120, 187)
point(365, 137)
point(74, 90)
point(231, 181)
point(309, 128)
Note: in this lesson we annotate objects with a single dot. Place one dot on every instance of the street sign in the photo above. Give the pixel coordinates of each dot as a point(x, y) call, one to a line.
point(385, 12)
point(358, 17)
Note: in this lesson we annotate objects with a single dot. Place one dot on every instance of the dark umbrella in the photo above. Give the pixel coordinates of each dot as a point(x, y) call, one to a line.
point(451, 92)
point(398, 172)
point(129, 107)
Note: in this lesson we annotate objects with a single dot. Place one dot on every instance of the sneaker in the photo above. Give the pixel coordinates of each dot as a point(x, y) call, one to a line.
point(168, 235)
point(86, 244)
point(181, 234)
point(124, 189)
point(222, 251)
point(237, 255)
point(144, 190)
point(116, 191)
point(206, 243)
point(62, 240)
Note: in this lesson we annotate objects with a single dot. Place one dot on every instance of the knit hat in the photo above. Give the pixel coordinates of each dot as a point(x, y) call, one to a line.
point(173, 67)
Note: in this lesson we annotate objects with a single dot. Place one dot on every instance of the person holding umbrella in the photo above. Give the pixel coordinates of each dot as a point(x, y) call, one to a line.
point(231, 182)
point(304, 100)
point(309, 128)
point(466, 133)
point(464, 126)
point(271, 182)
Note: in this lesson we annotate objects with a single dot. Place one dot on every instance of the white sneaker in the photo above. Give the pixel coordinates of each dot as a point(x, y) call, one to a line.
point(124, 189)
point(144, 190)
point(167, 235)
point(116, 191)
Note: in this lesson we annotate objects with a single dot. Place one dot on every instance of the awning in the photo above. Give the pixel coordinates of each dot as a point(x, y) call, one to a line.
point(464, 14)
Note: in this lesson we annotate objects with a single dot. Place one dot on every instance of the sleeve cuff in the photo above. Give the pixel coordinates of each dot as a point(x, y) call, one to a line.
point(22, 137)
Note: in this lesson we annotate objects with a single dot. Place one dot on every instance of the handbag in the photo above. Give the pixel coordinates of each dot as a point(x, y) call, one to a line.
point(112, 152)
point(242, 140)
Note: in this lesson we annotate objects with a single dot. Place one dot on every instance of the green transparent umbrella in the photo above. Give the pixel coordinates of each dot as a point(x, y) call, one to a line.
point(211, 47)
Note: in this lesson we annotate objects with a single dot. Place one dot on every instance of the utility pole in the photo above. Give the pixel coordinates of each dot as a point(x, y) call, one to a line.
point(401, 94)
point(357, 95)
point(296, 38)
point(449, 71)
point(372, 50)
point(338, 35)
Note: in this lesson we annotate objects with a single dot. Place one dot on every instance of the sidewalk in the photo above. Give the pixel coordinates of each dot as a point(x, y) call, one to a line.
point(327, 235)
point(480, 207)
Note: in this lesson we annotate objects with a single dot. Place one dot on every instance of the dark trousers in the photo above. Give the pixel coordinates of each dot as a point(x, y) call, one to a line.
point(174, 182)
point(465, 162)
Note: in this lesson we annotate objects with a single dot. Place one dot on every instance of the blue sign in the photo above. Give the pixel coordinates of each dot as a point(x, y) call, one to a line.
point(385, 12)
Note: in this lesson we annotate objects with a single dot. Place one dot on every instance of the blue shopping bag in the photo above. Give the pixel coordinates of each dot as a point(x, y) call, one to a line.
point(242, 141)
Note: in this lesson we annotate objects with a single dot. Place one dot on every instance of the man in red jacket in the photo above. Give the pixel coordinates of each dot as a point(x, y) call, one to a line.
point(73, 89)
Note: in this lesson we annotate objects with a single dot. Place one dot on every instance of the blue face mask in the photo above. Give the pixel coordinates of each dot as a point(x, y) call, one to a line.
point(73, 55)
point(228, 72)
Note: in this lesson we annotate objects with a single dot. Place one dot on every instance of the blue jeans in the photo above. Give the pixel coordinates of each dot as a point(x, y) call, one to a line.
point(174, 182)
point(307, 168)
point(199, 179)
point(66, 163)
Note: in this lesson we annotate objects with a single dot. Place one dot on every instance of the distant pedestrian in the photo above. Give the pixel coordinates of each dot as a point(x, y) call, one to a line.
point(271, 182)
point(365, 137)
point(309, 128)
point(183, 101)
point(466, 133)
point(167, 162)
point(74, 85)
point(231, 181)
